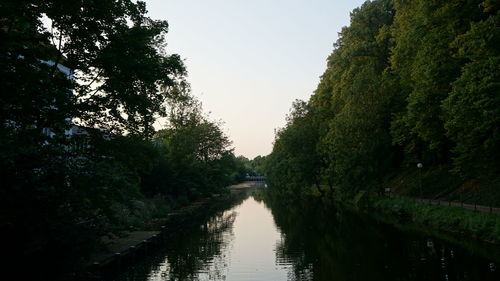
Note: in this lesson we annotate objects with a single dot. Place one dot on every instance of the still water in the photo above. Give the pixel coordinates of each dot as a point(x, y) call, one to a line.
point(271, 240)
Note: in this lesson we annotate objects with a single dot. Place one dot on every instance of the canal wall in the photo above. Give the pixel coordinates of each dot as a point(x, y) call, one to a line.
point(134, 245)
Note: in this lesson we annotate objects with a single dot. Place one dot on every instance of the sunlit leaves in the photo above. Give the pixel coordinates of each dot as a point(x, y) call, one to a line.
point(408, 81)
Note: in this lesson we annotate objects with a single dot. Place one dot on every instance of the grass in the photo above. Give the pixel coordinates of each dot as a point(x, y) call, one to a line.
point(483, 226)
point(478, 225)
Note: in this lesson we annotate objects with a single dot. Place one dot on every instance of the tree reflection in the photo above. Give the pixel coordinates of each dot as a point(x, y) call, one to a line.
point(322, 242)
point(195, 252)
point(200, 252)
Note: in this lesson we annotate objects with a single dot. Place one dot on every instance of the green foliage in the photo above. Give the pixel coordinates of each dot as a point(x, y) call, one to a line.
point(407, 82)
point(194, 157)
point(341, 136)
point(96, 64)
point(473, 106)
point(361, 199)
point(294, 163)
point(482, 226)
point(426, 65)
point(245, 166)
point(258, 165)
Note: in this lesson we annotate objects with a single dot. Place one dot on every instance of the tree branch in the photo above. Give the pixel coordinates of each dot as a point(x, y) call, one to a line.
point(94, 79)
point(59, 55)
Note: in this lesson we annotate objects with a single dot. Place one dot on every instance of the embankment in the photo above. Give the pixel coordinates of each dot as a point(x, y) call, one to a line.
point(459, 221)
point(131, 245)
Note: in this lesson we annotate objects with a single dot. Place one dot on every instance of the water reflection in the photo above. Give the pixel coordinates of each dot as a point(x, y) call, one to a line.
point(328, 244)
point(199, 254)
point(269, 239)
point(236, 244)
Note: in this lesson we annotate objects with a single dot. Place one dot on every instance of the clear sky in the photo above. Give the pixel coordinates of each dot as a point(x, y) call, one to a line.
point(247, 60)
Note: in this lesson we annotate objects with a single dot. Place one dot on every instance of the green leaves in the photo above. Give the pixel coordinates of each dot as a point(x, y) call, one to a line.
point(116, 53)
point(427, 65)
point(413, 82)
point(195, 156)
point(294, 162)
point(473, 106)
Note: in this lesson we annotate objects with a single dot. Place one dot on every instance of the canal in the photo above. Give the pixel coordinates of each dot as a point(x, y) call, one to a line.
point(265, 239)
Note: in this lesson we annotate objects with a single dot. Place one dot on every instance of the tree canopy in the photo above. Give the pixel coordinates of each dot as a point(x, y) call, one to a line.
point(407, 82)
point(83, 82)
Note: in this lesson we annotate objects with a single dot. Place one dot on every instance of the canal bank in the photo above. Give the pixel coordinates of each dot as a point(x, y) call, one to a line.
point(121, 251)
point(461, 222)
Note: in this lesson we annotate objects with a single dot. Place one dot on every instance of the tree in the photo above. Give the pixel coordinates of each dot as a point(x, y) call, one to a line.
point(259, 165)
point(294, 163)
point(473, 107)
point(407, 82)
point(122, 75)
point(195, 155)
point(357, 141)
point(426, 66)
point(99, 64)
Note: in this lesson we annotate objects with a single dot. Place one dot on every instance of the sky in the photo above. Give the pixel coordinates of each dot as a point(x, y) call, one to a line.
point(247, 61)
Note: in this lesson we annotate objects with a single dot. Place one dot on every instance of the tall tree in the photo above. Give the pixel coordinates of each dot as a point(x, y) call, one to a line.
point(294, 162)
point(357, 142)
point(196, 155)
point(96, 63)
point(472, 109)
point(426, 66)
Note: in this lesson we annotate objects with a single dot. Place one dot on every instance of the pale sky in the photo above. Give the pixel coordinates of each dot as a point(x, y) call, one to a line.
point(247, 60)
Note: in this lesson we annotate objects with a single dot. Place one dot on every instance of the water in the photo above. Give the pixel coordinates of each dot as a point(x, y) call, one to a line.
point(272, 240)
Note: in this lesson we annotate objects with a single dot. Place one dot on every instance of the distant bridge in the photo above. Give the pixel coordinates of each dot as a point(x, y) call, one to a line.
point(255, 178)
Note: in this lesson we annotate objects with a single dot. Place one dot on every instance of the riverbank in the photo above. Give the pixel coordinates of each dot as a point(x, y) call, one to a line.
point(452, 219)
point(118, 250)
point(246, 185)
